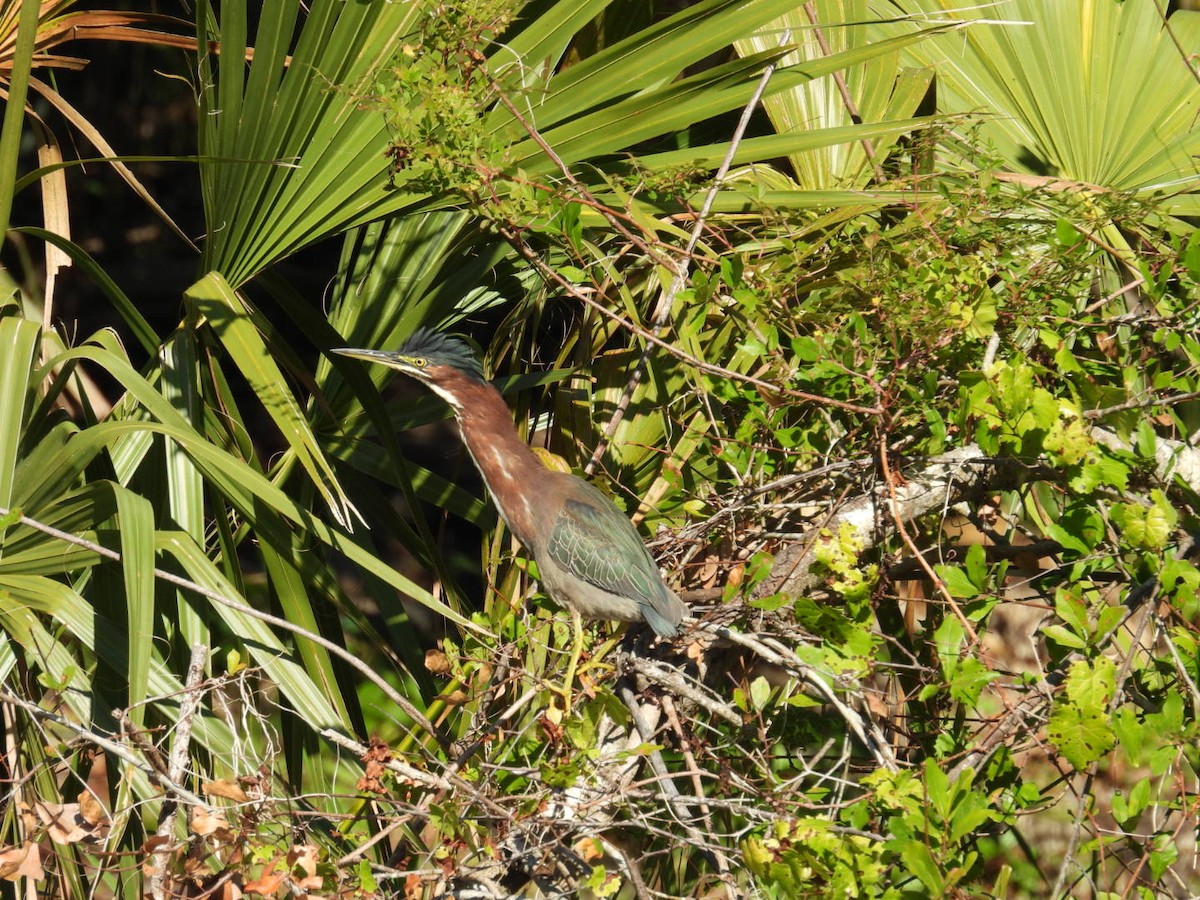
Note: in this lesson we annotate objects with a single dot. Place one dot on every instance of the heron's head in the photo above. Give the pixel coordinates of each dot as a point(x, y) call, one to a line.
point(443, 362)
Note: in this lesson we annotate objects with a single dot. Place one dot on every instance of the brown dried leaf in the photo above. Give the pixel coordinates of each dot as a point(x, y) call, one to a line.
point(375, 762)
point(155, 842)
point(305, 857)
point(207, 821)
point(590, 850)
point(62, 822)
point(91, 809)
point(227, 789)
point(266, 885)
point(551, 728)
point(21, 862)
point(437, 662)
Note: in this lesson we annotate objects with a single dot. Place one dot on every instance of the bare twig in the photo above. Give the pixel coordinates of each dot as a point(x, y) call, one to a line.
point(662, 310)
point(675, 681)
point(1185, 56)
point(1068, 860)
point(898, 519)
point(719, 857)
point(189, 706)
point(341, 653)
point(839, 79)
point(116, 748)
point(862, 726)
point(1140, 403)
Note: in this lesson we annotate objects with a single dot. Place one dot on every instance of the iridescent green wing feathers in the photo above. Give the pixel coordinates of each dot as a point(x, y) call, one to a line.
point(595, 543)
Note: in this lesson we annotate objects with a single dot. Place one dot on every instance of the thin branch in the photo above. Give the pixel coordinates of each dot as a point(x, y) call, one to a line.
point(1142, 403)
point(189, 707)
point(178, 581)
point(898, 519)
point(862, 726)
point(117, 749)
point(663, 309)
point(839, 79)
point(677, 682)
point(689, 758)
point(1184, 56)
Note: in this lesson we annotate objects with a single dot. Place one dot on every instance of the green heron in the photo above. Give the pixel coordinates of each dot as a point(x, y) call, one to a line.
point(589, 556)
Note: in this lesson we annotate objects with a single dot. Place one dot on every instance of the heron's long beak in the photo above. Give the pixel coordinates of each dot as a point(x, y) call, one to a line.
point(376, 356)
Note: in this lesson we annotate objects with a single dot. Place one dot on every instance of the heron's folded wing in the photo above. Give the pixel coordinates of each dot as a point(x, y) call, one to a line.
point(600, 546)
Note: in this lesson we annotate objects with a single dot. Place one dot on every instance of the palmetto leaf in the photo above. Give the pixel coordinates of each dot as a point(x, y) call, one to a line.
point(18, 342)
point(231, 321)
point(1092, 91)
point(301, 154)
point(312, 162)
point(878, 93)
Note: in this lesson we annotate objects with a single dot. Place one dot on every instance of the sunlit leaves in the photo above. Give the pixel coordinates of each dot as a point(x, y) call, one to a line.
point(1149, 526)
point(1079, 724)
point(1104, 124)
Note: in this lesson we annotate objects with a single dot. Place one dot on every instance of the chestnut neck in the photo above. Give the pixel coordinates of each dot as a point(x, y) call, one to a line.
point(514, 476)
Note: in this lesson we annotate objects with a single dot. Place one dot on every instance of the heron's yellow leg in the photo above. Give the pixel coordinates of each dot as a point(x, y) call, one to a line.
point(573, 662)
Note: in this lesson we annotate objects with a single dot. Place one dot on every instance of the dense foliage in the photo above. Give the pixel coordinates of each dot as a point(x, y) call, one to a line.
point(878, 317)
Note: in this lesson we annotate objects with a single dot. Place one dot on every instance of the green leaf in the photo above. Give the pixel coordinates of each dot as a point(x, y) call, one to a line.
point(1081, 737)
point(1073, 611)
point(1150, 527)
point(1068, 442)
point(807, 349)
point(1063, 637)
point(1079, 723)
point(760, 693)
point(185, 484)
point(1139, 799)
point(18, 343)
point(1131, 733)
point(1066, 234)
point(1191, 257)
point(957, 581)
point(1090, 685)
point(1100, 471)
point(919, 861)
point(135, 516)
point(230, 318)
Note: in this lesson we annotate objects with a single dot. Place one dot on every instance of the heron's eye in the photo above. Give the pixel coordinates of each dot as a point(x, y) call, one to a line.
point(420, 362)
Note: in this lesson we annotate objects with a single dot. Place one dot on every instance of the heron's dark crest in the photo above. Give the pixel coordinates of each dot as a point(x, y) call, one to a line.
point(439, 349)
